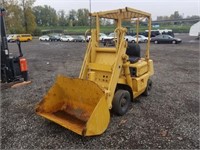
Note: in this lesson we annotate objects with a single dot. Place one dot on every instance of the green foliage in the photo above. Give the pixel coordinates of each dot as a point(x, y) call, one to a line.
point(76, 30)
point(176, 15)
point(30, 21)
point(14, 18)
point(22, 18)
point(19, 16)
point(83, 17)
point(62, 19)
point(37, 32)
point(45, 16)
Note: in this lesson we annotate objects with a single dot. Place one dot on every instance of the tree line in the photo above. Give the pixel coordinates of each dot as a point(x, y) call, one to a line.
point(48, 16)
point(176, 15)
point(23, 17)
point(19, 16)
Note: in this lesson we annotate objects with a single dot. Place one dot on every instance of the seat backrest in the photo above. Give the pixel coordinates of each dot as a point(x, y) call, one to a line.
point(133, 49)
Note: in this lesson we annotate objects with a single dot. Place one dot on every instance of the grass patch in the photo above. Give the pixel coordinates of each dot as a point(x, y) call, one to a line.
point(108, 29)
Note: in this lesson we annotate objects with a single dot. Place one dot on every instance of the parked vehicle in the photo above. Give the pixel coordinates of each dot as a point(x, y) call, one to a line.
point(79, 38)
point(111, 35)
point(130, 39)
point(13, 38)
point(66, 38)
point(10, 38)
point(165, 39)
point(102, 36)
point(141, 39)
point(44, 38)
point(109, 40)
point(54, 38)
point(88, 38)
point(154, 33)
point(23, 37)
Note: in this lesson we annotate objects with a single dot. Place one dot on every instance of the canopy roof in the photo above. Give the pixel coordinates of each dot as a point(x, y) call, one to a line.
point(126, 13)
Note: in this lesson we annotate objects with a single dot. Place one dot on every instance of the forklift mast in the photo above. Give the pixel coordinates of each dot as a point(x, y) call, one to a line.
point(4, 47)
point(4, 44)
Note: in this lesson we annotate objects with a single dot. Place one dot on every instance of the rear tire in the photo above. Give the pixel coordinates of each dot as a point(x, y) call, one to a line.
point(147, 91)
point(156, 42)
point(121, 102)
point(25, 75)
point(173, 42)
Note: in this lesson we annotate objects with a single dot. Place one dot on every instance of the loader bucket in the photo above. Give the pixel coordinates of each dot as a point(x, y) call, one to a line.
point(76, 104)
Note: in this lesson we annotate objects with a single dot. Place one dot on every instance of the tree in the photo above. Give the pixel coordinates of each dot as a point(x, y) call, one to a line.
point(28, 16)
point(160, 18)
point(83, 17)
point(176, 15)
point(193, 17)
point(45, 15)
point(62, 21)
point(37, 10)
point(72, 18)
point(13, 17)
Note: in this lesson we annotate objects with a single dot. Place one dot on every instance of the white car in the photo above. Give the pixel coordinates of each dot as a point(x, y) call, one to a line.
point(109, 40)
point(66, 38)
point(44, 38)
point(102, 36)
point(88, 38)
point(141, 38)
point(110, 36)
point(130, 39)
point(10, 37)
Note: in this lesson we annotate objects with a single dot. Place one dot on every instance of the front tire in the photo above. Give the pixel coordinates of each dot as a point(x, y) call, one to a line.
point(156, 42)
point(148, 88)
point(121, 102)
point(173, 42)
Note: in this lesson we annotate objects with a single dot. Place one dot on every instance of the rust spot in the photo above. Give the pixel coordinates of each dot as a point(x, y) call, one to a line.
point(70, 118)
point(76, 112)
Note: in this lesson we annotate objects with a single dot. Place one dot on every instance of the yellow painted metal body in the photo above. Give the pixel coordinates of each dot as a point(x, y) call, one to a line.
point(82, 105)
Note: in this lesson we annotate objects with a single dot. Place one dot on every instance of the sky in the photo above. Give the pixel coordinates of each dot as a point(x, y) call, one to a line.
point(155, 7)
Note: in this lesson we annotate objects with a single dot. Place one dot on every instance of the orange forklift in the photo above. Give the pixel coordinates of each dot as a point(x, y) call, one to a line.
point(14, 69)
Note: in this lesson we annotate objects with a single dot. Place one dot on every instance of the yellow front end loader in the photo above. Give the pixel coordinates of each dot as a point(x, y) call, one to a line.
point(110, 78)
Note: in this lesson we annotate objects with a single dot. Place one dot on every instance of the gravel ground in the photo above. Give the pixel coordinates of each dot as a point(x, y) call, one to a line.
point(167, 119)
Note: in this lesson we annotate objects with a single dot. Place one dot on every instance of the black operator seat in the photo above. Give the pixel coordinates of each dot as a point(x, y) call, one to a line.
point(133, 51)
